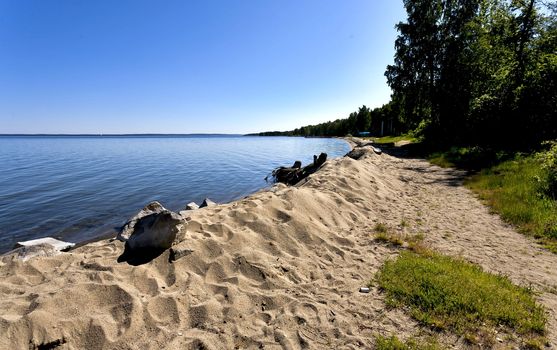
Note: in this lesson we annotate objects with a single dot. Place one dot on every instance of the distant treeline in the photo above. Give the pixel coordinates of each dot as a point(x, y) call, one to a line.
point(363, 120)
point(474, 71)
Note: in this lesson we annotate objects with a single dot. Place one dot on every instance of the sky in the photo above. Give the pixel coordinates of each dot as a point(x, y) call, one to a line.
point(190, 66)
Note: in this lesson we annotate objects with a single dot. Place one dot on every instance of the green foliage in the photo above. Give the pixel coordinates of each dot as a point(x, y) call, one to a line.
point(477, 72)
point(548, 179)
point(451, 294)
point(393, 343)
point(470, 158)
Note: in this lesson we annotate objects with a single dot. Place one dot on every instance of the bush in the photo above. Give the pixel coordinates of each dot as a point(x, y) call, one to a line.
point(469, 158)
point(548, 160)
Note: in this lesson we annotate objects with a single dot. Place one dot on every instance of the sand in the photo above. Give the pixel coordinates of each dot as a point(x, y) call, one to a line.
point(280, 269)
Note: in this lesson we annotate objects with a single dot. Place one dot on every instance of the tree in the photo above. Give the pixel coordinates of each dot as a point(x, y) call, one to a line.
point(412, 76)
point(476, 70)
point(363, 119)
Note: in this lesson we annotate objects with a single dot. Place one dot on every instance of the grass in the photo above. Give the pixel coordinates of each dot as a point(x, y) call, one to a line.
point(450, 294)
point(453, 295)
point(384, 234)
point(393, 139)
point(389, 238)
point(393, 343)
point(510, 189)
point(380, 228)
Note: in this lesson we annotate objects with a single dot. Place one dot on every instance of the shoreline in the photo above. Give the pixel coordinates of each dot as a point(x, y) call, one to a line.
point(279, 268)
point(82, 224)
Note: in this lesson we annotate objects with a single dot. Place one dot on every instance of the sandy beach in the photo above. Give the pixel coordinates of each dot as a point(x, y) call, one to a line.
point(280, 269)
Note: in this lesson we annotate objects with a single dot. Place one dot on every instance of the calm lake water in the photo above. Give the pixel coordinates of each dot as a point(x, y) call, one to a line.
point(81, 188)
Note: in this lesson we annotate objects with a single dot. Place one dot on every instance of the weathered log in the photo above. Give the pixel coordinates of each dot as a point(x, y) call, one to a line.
point(293, 175)
point(317, 163)
point(286, 175)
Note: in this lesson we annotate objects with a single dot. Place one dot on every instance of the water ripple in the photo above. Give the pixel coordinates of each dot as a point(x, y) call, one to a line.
point(77, 188)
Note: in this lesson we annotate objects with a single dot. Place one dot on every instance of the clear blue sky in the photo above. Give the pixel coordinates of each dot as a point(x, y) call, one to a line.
point(230, 66)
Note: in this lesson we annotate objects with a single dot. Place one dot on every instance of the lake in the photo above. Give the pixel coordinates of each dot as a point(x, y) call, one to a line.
point(78, 188)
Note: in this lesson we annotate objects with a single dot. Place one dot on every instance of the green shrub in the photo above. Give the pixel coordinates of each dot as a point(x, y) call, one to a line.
point(548, 180)
point(469, 158)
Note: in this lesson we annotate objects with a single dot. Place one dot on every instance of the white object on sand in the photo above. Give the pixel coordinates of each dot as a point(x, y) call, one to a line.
point(192, 206)
point(57, 244)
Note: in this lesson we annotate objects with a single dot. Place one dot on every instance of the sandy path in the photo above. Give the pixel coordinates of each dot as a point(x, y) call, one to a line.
point(278, 270)
point(455, 222)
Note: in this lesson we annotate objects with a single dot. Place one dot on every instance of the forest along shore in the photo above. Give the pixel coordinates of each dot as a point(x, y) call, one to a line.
point(279, 269)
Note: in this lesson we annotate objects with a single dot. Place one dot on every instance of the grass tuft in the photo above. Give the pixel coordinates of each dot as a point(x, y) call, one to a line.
point(380, 228)
point(389, 238)
point(393, 343)
point(451, 294)
point(398, 239)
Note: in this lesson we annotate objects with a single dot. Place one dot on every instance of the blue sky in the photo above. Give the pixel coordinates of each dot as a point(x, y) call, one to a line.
point(230, 66)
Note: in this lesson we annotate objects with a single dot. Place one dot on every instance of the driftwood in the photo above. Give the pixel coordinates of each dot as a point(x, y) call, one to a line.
point(294, 174)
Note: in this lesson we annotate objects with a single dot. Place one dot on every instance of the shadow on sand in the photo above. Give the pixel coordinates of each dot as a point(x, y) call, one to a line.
point(139, 256)
point(449, 176)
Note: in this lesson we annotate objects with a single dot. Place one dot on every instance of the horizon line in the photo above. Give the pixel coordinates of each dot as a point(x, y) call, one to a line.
point(122, 134)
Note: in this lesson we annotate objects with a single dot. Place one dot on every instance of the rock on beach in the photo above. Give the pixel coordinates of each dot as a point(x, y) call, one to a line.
point(151, 208)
